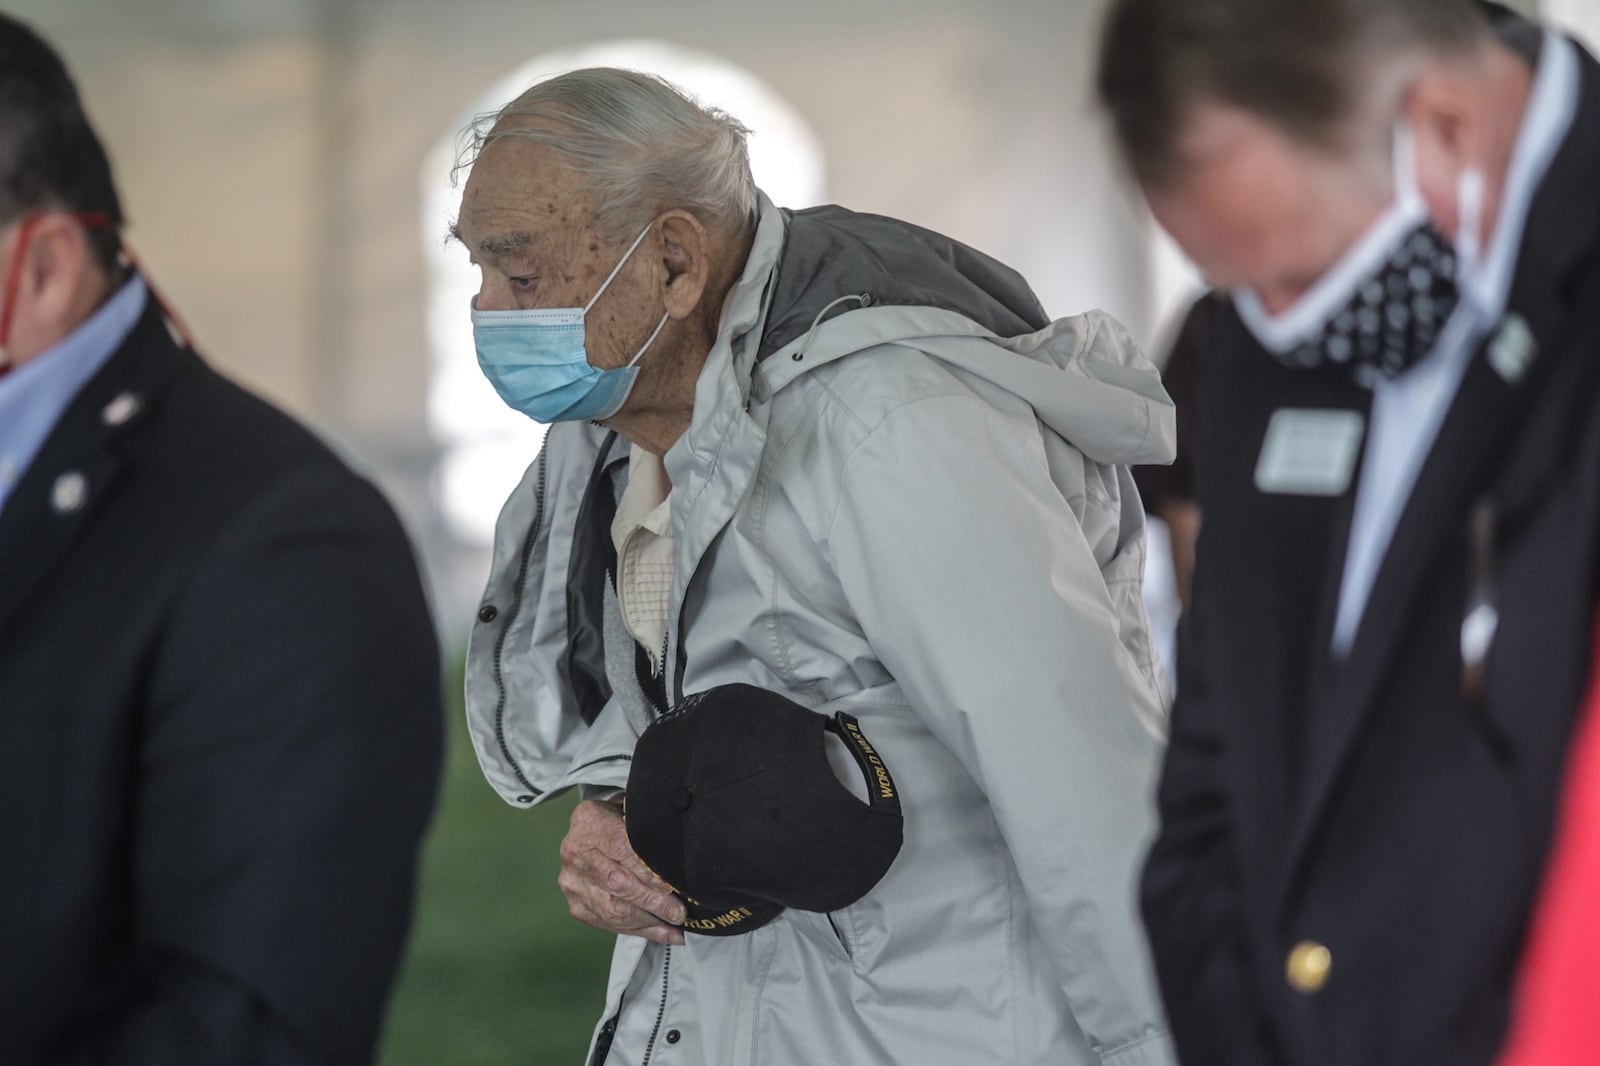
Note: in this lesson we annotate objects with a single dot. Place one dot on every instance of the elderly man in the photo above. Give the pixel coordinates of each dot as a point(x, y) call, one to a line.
point(219, 685)
point(861, 469)
point(1390, 629)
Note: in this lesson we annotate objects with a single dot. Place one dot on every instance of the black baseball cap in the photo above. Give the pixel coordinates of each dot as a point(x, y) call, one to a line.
point(732, 802)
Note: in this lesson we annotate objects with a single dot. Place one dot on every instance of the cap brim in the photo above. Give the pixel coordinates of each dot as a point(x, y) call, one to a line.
point(728, 919)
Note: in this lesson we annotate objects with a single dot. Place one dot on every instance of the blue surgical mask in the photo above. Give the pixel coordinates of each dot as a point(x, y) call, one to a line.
point(538, 363)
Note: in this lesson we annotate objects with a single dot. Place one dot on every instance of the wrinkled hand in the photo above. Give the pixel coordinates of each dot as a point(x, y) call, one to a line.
point(605, 883)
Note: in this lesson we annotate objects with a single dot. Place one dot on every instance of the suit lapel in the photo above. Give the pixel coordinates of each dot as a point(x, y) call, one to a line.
point(1476, 434)
point(1471, 436)
point(79, 465)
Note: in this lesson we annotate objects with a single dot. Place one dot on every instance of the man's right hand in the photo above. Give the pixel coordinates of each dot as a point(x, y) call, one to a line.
point(605, 883)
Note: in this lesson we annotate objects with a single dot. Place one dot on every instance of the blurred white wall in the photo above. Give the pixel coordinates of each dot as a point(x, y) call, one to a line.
point(1581, 18)
point(270, 155)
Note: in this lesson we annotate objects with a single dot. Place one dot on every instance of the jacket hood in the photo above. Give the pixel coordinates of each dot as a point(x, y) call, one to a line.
point(830, 253)
point(846, 282)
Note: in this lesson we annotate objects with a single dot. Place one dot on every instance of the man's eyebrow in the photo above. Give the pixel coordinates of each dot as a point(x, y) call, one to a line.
point(500, 244)
point(506, 243)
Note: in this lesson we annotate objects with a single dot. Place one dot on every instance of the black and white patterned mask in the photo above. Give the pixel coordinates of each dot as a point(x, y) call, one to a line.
point(1383, 305)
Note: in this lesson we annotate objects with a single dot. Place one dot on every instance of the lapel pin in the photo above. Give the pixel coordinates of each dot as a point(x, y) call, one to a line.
point(69, 492)
point(1513, 349)
point(123, 407)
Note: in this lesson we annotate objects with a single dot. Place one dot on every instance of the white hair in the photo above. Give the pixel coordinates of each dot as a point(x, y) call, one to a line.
point(645, 146)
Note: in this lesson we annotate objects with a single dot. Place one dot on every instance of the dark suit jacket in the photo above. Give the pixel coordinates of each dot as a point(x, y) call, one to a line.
point(1181, 375)
point(1387, 807)
point(219, 732)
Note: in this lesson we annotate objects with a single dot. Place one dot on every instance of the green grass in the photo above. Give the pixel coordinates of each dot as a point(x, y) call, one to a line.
point(498, 972)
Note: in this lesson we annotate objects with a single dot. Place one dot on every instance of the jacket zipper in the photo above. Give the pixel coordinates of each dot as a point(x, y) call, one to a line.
point(661, 1012)
point(676, 695)
point(505, 632)
point(660, 700)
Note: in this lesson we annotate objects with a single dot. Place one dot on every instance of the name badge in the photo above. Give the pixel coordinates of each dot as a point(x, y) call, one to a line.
point(1309, 452)
point(1513, 349)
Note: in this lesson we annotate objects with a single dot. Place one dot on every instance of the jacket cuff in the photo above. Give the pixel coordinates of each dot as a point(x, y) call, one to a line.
point(611, 774)
point(1153, 1050)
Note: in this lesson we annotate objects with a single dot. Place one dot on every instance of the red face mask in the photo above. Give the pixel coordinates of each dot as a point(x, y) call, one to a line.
point(8, 303)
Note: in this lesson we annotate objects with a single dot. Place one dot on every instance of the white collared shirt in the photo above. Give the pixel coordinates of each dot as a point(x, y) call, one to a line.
point(1408, 409)
point(35, 395)
point(642, 534)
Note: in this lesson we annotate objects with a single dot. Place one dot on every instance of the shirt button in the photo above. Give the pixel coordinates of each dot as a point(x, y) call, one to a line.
point(488, 613)
point(673, 1036)
point(1308, 966)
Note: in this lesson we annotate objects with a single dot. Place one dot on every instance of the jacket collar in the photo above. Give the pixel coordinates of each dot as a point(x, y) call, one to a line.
point(82, 459)
point(713, 463)
point(723, 389)
point(33, 399)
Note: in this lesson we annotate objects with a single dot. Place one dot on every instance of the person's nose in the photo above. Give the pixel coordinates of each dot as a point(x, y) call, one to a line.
point(492, 297)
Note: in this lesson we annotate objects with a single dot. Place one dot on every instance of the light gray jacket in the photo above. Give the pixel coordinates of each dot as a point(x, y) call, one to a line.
point(904, 493)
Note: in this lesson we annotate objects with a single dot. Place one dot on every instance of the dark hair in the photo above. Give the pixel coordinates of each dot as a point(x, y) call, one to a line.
point(1300, 65)
point(49, 154)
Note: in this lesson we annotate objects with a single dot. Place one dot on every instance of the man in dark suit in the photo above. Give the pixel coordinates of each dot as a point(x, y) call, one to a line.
point(219, 689)
point(1397, 574)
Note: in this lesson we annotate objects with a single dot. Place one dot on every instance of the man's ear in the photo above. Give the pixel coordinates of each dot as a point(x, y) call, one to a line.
point(58, 257)
point(50, 284)
point(686, 254)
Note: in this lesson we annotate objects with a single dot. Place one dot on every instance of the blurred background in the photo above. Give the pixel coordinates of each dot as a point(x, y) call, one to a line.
point(286, 165)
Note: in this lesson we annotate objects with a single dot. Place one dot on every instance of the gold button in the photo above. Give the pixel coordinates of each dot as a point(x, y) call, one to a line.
point(1308, 966)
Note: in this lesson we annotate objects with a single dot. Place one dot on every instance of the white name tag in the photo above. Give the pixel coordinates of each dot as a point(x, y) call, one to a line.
point(1309, 453)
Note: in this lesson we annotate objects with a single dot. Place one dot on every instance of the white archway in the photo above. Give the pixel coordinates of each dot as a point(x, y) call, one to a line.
point(485, 446)
point(1581, 18)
